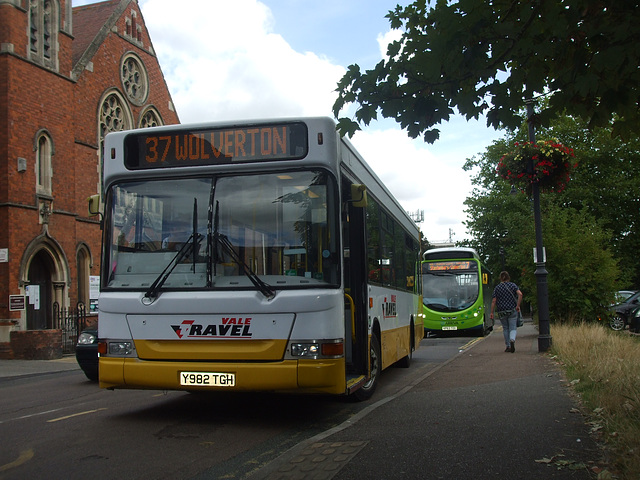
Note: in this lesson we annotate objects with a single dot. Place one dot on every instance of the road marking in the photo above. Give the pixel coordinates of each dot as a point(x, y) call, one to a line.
point(24, 457)
point(74, 415)
point(469, 344)
point(31, 415)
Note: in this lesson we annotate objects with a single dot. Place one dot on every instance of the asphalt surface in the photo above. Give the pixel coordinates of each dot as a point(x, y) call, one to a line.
point(483, 414)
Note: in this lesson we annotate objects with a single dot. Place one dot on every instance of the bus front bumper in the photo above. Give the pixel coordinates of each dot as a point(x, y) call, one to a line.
point(305, 375)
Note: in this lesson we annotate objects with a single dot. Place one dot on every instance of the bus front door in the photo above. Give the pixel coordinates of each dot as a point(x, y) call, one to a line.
point(356, 297)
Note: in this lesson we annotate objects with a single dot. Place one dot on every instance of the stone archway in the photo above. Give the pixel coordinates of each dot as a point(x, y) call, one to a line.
point(40, 292)
point(44, 275)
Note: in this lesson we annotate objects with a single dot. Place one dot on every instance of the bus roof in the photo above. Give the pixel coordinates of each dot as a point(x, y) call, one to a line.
point(450, 252)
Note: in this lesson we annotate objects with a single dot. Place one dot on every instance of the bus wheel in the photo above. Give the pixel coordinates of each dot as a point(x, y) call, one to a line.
point(366, 391)
point(484, 330)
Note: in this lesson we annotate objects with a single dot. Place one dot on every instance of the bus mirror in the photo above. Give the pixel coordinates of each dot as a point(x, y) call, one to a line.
point(94, 204)
point(359, 195)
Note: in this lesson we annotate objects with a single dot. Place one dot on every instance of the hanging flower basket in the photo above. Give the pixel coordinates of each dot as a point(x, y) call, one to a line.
point(549, 164)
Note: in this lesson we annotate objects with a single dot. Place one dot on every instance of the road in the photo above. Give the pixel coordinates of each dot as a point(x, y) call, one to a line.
point(63, 426)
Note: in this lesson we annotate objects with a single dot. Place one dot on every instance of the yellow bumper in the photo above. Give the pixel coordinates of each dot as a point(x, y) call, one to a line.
point(305, 376)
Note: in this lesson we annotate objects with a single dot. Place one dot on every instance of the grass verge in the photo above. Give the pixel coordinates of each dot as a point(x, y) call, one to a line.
point(604, 368)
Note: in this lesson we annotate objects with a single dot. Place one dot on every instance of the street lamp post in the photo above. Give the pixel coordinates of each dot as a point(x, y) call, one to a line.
point(544, 332)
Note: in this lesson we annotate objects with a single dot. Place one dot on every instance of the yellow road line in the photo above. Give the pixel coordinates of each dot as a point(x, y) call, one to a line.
point(75, 415)
point(24, 457)
point(469, 344)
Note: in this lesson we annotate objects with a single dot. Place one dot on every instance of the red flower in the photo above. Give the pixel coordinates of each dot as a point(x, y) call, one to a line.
point(545, 163)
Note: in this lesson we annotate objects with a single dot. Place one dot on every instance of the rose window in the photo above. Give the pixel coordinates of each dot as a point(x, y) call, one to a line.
point(134, 79)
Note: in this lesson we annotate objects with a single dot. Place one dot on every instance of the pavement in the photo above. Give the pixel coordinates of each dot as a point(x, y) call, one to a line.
point(10, 369)
point(483, 414)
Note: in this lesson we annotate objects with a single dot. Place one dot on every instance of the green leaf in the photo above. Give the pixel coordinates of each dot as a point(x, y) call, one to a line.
point(346, 126)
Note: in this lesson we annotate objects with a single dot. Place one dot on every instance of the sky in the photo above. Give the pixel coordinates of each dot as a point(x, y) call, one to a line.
point(247, 59)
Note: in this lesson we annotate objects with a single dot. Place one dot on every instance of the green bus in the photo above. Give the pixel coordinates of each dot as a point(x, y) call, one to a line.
point(456, 291)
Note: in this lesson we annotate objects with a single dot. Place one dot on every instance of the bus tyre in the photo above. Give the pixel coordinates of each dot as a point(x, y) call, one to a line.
point(483, 330)
point(366, 391)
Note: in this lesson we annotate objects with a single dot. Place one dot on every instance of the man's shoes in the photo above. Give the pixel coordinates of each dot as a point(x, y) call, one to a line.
point(508, 349)
point(512, 348)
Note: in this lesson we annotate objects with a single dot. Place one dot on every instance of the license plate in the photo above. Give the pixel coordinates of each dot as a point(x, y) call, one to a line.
point(449, 327)
point(207, 379)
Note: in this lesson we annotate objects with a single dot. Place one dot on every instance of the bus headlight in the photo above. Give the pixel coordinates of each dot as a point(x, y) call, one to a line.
point(311, 349)
point(305, 349)
point(120, 348)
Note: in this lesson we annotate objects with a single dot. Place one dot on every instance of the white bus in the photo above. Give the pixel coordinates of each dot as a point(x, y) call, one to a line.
point(252, 256)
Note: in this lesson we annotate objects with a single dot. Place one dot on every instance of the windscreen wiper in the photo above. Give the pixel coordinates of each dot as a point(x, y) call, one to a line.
point(187, 247)
point(222, 240)
point(194, 232)
point(266, 289)
point(210, 254)
point(437, 306)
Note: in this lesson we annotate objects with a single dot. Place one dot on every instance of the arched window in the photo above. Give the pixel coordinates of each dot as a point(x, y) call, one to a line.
point(150, 118)
point(114, 115)
point(43, 32)
point(134, 78)
point(44, 169)
point(83, 263)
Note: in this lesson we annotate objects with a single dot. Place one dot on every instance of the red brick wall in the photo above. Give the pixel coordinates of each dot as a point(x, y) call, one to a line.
point(34, 98)
point(4, 168)
point(13, 25)
point(6, 353)
point(37, 344)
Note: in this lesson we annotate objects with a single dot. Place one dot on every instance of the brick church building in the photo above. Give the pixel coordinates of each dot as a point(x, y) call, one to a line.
point(68, 76)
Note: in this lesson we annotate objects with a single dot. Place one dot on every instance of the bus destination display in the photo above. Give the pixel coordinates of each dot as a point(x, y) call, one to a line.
point(447, 266)
point(182, 148)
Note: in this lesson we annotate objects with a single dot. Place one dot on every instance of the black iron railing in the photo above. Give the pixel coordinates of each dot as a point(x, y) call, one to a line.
point(71, 321)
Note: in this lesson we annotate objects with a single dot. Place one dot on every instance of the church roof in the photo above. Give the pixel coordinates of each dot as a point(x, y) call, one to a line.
point(91, 24)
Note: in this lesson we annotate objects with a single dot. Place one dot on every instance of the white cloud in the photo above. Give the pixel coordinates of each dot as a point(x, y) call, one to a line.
point(384, 39)
point(229, 64)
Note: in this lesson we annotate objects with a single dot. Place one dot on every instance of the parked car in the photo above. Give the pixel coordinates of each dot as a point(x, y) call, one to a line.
point(622, 295)
point(634, 321)
point(87, 353)
point(621, 312)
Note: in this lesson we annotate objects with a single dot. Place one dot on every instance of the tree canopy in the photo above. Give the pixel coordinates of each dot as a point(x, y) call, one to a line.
point(491, 57)
point(591, 230)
